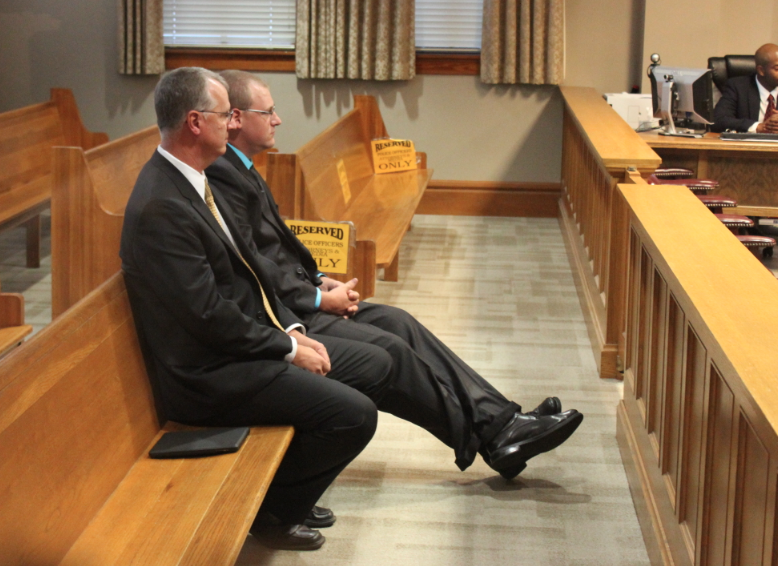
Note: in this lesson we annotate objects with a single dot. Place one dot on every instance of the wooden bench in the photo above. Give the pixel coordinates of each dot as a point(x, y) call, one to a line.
point(12, 327)
point(307, 184)
point(91, 189)
point(26, 138)
point(77, 419)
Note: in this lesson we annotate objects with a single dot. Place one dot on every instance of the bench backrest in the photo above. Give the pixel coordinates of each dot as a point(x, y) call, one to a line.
point(76, 411)
point(345, 144)
point(28, 134)
point(91, 189)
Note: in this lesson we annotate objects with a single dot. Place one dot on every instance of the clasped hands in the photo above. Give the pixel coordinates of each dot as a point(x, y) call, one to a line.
point(336, 298)
point(339, 298)
point(311, 354)
point(769, 126)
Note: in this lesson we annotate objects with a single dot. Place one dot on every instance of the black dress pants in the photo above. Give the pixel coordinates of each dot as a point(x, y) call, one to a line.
point(333, 416)
point(430, 385)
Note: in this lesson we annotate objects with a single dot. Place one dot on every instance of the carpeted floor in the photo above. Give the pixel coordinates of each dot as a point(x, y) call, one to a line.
point(499, 292)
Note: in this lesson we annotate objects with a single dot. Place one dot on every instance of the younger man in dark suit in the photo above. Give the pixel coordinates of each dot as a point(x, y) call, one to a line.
point(748, 104)
point(223, 351)
point(431, 386)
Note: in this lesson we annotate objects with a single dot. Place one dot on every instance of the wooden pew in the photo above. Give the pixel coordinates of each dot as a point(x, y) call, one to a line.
point(698, 423)
point(307, 184)
point(26, 138)
point(600, 150)
point(91, 189)
point(12, 327)
point(77, 419)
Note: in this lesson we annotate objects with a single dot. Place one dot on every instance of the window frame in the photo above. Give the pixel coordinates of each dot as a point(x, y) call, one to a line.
point(282, 60)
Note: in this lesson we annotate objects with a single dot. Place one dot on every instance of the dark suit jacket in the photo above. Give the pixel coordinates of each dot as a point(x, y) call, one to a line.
point(738, 107)
point(196, 305)
point(257, 214)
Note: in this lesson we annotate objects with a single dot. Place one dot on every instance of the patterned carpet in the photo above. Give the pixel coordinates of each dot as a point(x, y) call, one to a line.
point(500, 292)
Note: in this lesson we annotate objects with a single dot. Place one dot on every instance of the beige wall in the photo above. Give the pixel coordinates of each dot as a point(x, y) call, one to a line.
point(470, 131)
point(686, 33)
point(604, 43)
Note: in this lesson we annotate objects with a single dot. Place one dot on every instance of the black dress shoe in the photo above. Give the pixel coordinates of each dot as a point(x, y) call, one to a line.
point(525, 437)
point(550, 406)
point(319, 518)
point(288, 537)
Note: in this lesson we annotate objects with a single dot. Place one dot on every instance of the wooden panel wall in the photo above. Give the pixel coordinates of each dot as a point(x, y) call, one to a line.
point(697, 424)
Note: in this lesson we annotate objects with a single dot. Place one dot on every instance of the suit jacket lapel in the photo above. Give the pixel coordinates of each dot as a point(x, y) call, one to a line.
point(241, 249)
point(188, 192)
point(268, 207)
point(754, 102)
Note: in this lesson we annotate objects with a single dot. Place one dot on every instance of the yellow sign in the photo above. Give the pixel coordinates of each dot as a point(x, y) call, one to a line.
point(328, 242)
point(344, 186)
point(390, 156)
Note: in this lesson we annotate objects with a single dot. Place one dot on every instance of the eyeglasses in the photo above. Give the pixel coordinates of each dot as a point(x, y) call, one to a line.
point(266, 112)
point(226, 115)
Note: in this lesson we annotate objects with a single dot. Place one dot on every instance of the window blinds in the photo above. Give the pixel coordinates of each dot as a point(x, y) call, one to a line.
point(448, 24)
point(230, 23)
point(440, 24)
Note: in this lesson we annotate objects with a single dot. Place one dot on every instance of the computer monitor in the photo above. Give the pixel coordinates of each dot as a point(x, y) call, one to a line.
point(683, 99)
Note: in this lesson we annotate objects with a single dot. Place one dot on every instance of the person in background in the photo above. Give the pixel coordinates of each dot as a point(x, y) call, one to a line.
point(748, 104)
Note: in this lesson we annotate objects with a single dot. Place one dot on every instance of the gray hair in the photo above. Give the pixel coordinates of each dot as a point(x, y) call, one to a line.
point(238, 87)
point(182, 90)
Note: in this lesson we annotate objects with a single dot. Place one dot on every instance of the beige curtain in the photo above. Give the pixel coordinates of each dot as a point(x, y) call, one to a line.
point(355, 39)
point(141, 49)
point(522, 42)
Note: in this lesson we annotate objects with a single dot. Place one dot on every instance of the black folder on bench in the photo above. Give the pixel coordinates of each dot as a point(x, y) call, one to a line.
point(195, 443)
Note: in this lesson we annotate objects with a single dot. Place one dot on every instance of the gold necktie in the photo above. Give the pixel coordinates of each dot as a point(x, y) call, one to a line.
point(212, 207)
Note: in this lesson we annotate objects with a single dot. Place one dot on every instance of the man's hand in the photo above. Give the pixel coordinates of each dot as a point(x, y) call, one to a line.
point(341, 299)
point(328, 284)
point(311, 354)
point(768, 126)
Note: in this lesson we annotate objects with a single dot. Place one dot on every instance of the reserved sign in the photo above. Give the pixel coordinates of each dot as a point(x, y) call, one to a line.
point(328, 242)
point(390, 156)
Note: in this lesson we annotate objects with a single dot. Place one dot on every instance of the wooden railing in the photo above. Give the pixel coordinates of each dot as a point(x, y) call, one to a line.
point(599, 151)
point(697, 424)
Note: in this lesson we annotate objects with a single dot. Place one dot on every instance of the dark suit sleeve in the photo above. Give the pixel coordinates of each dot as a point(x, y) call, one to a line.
point(285, 315)
point(179, 258)
point(729, 112)
point(295, 289)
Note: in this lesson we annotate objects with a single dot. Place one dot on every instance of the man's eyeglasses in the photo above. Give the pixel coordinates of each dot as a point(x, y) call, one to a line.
point(265, 112)
point(226, 115)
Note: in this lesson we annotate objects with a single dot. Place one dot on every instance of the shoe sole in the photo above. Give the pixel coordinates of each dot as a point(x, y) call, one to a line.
point(276, 545)
point(514, 457)
point(313, 524)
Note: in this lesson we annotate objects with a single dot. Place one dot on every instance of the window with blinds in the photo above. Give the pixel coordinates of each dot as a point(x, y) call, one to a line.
point(449, 24)
point(268, 24)
point(230, 23)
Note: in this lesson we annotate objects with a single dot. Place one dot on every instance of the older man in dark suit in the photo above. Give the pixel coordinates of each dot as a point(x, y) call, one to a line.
point(431, 385)
point(748, 104)
point(222, 349)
